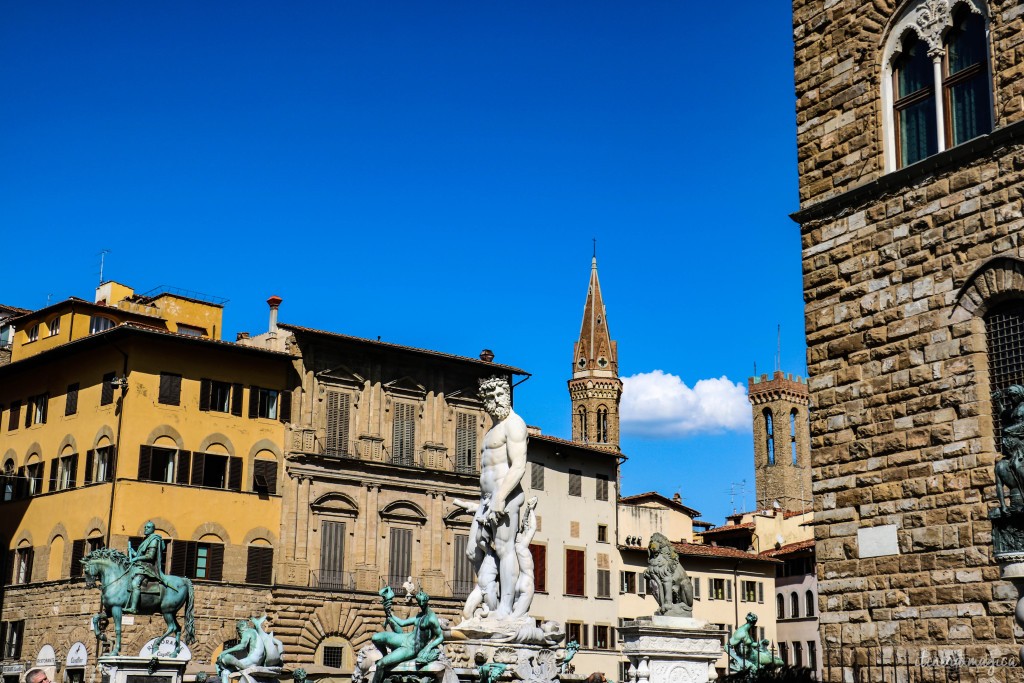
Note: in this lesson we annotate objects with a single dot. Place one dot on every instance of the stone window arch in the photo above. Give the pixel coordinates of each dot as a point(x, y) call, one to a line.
point(602, 424)
point(936, 79)
point(336, 652)
point(793, 415)
point(769, 435)
point(10, 480)
point(581, 416)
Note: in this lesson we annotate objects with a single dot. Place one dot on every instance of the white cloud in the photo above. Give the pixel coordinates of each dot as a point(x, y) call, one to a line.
point(659, 404)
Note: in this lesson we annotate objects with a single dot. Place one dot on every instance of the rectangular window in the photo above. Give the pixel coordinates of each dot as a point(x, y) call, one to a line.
point(604, 581)
point(333, 656)
point(34, 477)
point(400, 564)
point(220, 397)
point(784, 653)
point(540, 567)
point(107, 389)
point(696, 588)
point(37, 406)
point(332, 556)
point(23, 566)
point(760, 592)
point(465, 443)
point(798, 654)
point(537, 476)
point(13, 632)
point(15, 416)
point(259, 565)
point(716, 589)
point(602, 533)
point(749, 591)
point(98, 323)
point(339, 408)
point(602, 487)
point(64, 472)
point(575, 487)
point(190, 331)
point(163, 465)
point(198, 560)
point(71, 399)
point(602, 640)
point(263, 403)
point(627, 582)
point(264, 476)
point(812, 655)
point(403, 435)
point(462, 569)
point(574, 632)
point(170, 389)
point(575, 572)
point(99, 464)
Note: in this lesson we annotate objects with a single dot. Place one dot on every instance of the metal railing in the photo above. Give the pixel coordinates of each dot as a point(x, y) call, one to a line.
point(329, 579)
point(460, 589)
point(307, 440)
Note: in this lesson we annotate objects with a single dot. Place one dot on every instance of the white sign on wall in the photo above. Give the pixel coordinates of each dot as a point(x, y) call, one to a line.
point(77, 655)
point(46, 656)
point(877, 541)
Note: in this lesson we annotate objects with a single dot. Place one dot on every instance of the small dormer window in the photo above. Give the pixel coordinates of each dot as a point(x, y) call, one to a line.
point(33, 333)
point(99, 323)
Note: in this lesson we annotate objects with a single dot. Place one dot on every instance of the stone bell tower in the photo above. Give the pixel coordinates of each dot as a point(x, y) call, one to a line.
point(782, 441)
point(595, 387)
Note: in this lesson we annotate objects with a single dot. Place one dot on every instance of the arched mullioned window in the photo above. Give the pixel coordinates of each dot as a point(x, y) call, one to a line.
point(937, 92)
point(794, 605)
point(769, 436)
point(602, 424)
point(792, 435)
point(780, 607)
point(581, 415)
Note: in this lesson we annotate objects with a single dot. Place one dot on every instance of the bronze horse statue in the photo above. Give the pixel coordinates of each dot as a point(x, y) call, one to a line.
point(112, 569)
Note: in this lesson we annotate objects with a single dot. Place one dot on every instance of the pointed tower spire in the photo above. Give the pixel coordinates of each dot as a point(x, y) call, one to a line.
point(595, 388)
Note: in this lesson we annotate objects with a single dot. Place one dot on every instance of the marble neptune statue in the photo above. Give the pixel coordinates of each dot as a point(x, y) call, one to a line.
point(502, 519)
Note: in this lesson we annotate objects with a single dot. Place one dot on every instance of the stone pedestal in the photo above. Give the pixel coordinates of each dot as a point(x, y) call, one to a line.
point(671, 650)
point(143, 669)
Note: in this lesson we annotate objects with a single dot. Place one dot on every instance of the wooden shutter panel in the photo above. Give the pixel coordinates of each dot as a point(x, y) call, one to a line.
point(215, 562)
point(198, 468)
point(15, 416)
point(696, 588)
point(28, 564)
point(71, 406)
point(236, 400)
point(30, 408)
point(536, 476)
point(204, 394)
point(399, 567)
point(540, 567)
point(254, 402)
point(760, 592)
point(111, 463)
point(267, 470)
point(44, 406)
point(284, 408)
point(179, 558)
point(21, 485)
point(145, 463)
point(170, 389)
point(183, 467)
point(403, 434)
point(8, 570)
point(235, 474)
point(332, 555)
point(77, 553)
point(73, 475)
point(89, 455)
point(338, 414)
point(54, 467)
point(575, 486)
point(574, 569)
point(259, 565)
point(3, 636)
point(728, 590)
point(107, 389)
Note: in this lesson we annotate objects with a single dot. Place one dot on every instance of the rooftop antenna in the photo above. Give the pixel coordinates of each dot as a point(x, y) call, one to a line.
point(778, 348)
point(595, 247)
point(49, 298)
point(103, 254)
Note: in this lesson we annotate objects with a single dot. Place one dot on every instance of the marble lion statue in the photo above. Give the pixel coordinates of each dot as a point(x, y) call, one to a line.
point(668, 580)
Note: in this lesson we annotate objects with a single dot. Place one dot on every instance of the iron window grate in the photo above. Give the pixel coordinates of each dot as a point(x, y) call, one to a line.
point(1004, 328)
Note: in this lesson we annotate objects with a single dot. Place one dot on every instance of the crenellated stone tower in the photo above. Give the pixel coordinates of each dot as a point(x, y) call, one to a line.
point(595, 387)
point(782, 442)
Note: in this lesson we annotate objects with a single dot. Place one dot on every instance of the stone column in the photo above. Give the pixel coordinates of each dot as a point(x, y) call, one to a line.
point(671, 649)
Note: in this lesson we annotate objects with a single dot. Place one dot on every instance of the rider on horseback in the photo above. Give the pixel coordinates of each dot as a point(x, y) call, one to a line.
point(147, 562)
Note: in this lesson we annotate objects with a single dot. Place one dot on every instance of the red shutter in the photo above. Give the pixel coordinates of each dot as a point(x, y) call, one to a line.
point(574, 572)
point(540, 567)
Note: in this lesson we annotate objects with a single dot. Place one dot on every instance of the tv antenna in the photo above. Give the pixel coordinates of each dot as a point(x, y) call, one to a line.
point(738, 489)
point(103, 254)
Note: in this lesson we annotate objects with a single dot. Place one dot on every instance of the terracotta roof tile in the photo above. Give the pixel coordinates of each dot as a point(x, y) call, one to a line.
point(729, 527)
point(640, 497)
point(702, 550)
point(576, 444)
point(790, 548)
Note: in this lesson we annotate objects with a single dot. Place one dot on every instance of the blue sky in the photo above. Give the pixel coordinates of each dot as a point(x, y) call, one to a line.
point(433, 173)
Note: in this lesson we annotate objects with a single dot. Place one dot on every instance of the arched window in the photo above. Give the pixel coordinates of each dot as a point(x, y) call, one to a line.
point(792, 435)
point(809, 607)
point(10, 481)
point(769, 436)
point(581, 415)
point(99, 323)
point(938, 88)
point(794, 605)
point(780, 607)
point(602, 424)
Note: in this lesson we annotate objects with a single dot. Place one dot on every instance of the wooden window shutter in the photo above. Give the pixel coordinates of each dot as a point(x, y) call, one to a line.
point(465, 442)
point(760, 592)
point(54, 468)
point(536, 476)
point(204, 394)
point(575, 483)
point(332, 553)
point(267, 471)
point(259, 565)
point(145, 463)
point(215, 562)
point(399, 567)
point(179, 559)
point(89, 455)
point(77, 553)
point(403, 434)
point(198, 468)
point(462, 569)
point(111, 462)
point(235, 474)
point(696, 588)
point(107, 389)
point(170, 389)
point(284, 408)
point(30, 555)
point(183, 467)
point(540, 566)
point(338, 416)
point(254, 402)
point(71, 406)
point(574, 569)
point(15, 416)
point(30, 408)
point(728, 590)
point(602, 487)
point(236, 400)
point(44, 400)
point(73, 475)
point(3, 635)
point(21, 487)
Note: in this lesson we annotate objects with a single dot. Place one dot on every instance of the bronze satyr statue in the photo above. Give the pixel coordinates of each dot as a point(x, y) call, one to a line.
point(667, 578)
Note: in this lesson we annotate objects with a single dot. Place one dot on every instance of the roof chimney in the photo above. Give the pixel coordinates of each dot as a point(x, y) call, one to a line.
point(274, 302)
point(487, 355)
point(241, 335)
point(676, 498)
